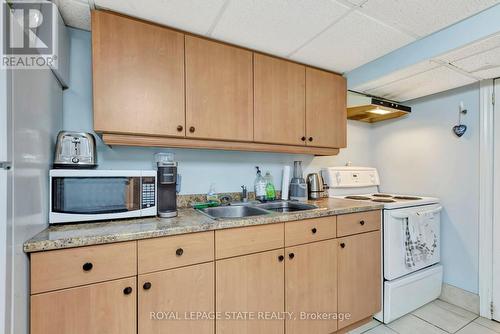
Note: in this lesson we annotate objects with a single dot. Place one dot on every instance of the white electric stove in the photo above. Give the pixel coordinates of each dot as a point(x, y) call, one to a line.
point(407, 285)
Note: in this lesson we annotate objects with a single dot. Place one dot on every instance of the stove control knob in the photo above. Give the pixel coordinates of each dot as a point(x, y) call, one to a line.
point(339, 179)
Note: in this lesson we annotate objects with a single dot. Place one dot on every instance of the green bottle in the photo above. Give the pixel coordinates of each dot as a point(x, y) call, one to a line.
point(270, 190)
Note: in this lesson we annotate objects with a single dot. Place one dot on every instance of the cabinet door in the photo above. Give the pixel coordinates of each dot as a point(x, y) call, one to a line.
point(326, 113)
point(219, 91)
point(279, 115)
point(167, 298)
point(251, 283)
point(98, 308)
point(360, 279)
point(138, 73)
point(311, 286)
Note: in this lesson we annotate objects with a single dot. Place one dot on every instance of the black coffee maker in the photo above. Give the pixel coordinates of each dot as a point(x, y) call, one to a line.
point(167, 185)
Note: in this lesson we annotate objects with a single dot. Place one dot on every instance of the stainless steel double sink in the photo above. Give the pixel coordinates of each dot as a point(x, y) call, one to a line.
point(240, 210)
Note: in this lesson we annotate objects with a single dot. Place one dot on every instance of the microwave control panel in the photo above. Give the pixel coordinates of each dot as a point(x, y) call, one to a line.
point(148, 192)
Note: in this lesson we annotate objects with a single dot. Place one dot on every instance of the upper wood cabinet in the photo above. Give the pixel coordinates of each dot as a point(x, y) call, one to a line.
point(311, 286)
point(326, 113)
point(279, 95)
point(138, 74)
point(219, 91)
point(360, 280)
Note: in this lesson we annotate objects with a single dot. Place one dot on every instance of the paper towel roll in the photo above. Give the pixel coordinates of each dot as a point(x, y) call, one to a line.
point(285, 183)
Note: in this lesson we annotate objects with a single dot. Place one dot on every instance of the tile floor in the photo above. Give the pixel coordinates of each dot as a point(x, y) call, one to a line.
point(437, 317)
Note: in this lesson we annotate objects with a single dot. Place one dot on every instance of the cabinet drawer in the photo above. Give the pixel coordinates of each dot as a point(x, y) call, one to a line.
point(360, 222)
point(310, 230)
point(176, 251)
point(59, 269)
point(246, 240)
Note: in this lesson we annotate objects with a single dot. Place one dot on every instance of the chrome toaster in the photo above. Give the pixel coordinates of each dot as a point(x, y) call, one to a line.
point(75, 150)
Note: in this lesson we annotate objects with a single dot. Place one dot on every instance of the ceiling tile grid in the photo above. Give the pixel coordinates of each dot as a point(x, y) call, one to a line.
point(436, 80)
point(75, 13)
point(355, 40)
point(276, 26)
point(195, 16)
point(423, 17)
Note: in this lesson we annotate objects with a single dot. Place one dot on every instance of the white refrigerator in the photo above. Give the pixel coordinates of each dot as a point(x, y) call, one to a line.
point(30, 118)
point(4, 172)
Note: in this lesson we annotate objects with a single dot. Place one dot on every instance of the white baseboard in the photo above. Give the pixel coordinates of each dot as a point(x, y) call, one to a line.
point(461, 298)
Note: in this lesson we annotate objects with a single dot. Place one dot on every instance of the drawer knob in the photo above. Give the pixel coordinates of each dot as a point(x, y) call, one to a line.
point(291, 256)
point(303, 138)
point(180, 128)
point(314, 230)
point(342, 245)
point(127, 290)
point(147, 286)
point(179, 252)
point(192, 129)
point(362, 222)
point(310, 138)
point(281, 258)
point(87, 266)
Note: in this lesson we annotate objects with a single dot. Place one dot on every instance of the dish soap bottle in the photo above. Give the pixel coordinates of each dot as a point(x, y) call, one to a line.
point(270, 190)
point(260, 186)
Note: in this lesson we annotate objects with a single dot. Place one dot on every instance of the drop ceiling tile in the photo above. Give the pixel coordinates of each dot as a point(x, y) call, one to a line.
point(397, 75)
point(483, 65)
point(75, 13)
point(353, 41)
point(423, 17)
point(472, 49)
point(276, 26)
point(423, 84)
point(195, 16)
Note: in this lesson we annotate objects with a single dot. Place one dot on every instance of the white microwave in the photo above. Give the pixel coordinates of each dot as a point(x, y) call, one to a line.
point(78, 195)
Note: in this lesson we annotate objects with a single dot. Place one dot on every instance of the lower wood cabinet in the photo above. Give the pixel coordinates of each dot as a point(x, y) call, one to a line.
point(294, 278)
point(251, 283)
point(310, 287)
point(109, 307)
point(167, 298)
point(359, 281)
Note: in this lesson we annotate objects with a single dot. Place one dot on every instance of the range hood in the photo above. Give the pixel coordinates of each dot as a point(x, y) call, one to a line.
point(371, 109)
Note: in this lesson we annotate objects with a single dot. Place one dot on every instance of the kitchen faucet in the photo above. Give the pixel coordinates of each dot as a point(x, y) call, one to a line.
point(244, 194)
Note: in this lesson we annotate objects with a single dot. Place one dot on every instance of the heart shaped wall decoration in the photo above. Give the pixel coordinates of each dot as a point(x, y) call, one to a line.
point(460, 129)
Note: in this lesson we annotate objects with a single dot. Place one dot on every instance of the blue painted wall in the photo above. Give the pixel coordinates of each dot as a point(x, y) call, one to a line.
point(420, 155)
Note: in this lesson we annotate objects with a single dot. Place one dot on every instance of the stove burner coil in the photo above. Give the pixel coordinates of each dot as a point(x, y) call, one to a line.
point(362, 198)
point(382, 195)
point(383, 200)
point(408, 198)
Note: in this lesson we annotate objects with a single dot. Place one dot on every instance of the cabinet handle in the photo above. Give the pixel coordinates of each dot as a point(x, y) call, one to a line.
point(303, 138)
point(310, 138)
point(281, 258)
point(179, 128)
point(314, 230)
point(342, 245)
point(147, 286)
point(179, 252)
point(191, 129)
point(87, 266)
point(127, 290)
point(291, 256)
point(362, 222)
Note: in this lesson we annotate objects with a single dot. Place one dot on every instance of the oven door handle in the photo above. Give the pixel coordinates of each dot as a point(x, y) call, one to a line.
point(405, 215)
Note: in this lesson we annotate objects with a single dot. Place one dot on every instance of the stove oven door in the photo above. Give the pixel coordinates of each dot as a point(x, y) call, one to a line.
point(400, 261)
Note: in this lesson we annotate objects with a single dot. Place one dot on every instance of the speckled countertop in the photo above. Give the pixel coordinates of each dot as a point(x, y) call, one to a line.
point(187, 221)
